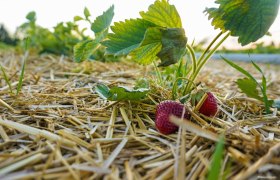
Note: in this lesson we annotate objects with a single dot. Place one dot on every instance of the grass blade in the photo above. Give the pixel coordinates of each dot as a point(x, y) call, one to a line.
point(240, 69)
point(22, 73)
point(216, 164)
point(6, 79)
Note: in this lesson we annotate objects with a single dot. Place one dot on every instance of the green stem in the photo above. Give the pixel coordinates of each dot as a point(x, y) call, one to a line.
point(159, 76)
point(174, 87)
point(193, 58)
point(209, 46)
point(202, 60)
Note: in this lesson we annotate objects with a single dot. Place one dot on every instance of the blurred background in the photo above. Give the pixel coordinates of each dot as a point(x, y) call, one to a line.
point(51, 12)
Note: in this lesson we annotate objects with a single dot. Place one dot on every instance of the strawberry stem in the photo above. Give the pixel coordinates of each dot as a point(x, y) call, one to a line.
point(202, 60)
point(193, 58)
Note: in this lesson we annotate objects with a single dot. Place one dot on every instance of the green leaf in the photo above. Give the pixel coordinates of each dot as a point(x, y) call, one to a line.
point(173, 46)
point(146, 54)
point(247, 19)
point(216, 163)
point(6, 79)
point(84, 49)
point(103, 91)
point(31, 16)
point(86, 13)
point(120, 93)
point(163, 14)
point(127, 36)
point(215, 15)
point(249, 87)
point(78, 18)
point(102, 22)
point(149, 47)
point(21, 77)
point(240, 69)
point(268, 103)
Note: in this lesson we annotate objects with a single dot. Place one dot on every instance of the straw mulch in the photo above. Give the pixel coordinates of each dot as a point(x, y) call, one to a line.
point(59, 128)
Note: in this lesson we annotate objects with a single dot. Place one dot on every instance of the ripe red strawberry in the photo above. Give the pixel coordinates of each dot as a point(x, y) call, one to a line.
point(209, 106)
point(163, 111)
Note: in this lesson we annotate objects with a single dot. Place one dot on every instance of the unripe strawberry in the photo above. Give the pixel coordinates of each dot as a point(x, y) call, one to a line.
point(163, 112)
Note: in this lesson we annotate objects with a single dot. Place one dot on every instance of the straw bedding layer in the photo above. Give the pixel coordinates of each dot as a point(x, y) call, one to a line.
point(59, 128)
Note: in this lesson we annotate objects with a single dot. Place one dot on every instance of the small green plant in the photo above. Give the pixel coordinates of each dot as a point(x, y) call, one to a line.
point(91, 48)
point(6, 78)
point(24, 58)
point(251, 87)
point(61, 40)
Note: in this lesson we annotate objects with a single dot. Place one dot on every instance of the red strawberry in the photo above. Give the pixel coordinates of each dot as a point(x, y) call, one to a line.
point(163, 111)
point(209, 106)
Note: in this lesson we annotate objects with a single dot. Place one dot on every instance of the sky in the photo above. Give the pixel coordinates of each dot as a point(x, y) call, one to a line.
point(50, 12)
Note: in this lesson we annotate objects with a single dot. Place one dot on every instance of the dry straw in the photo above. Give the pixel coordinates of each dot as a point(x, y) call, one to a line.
point(58, 128)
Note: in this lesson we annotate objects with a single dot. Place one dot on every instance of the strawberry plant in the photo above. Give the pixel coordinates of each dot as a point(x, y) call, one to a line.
point(159, 34)
point(100, 26)
point(251, 87)
point(59, 41)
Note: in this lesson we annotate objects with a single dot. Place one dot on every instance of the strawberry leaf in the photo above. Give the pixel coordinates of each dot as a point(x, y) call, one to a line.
point(103, 91)
point(127, 36)
point(78, 18)
point(146, 54)
point(84, 49)
point(103, 21)
point(247, 19)
point(31, 16)
point(173, 46)
point(162, 14)
point(120, 93)
point(149, 47)
point(86, 13)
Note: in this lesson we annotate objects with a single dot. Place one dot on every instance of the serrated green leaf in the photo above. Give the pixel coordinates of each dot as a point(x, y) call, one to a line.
point(247, 19)
point(84, 49)
point(173, 45)
point(163, 14)
point(215, 15)
point(146, 54)
point(86, 13)
point(78, 18)
point(149, 47)
point(127, 36)
point(249, 87)
point(121, 93)
point(152, 35)
point(103, 21)
point(31, 16)
point(103, 91)
point(216, 164)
